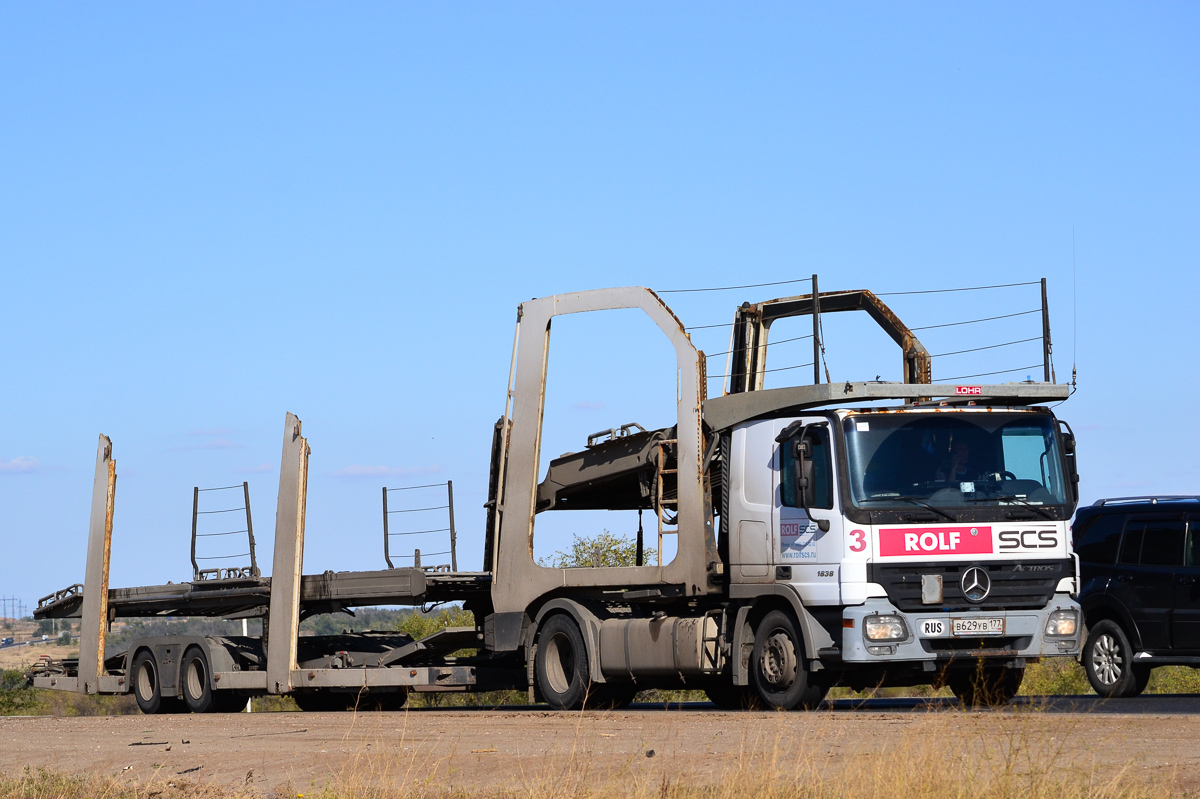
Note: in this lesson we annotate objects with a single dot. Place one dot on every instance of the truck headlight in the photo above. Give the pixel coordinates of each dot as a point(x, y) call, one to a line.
point(884, 628)
point(1062, 623)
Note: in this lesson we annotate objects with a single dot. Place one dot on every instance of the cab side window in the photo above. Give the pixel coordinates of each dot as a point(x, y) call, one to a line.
point(822, 465)
point(1098, 542)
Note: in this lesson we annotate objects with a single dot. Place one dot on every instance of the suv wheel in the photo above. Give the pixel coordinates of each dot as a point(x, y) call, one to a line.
point(1108, 661)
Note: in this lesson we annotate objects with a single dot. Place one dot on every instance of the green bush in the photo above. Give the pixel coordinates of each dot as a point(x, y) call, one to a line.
point(605, 549)
point(1055, 677)
point(16, 698)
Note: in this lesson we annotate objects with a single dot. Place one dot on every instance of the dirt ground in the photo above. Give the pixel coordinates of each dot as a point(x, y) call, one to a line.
point(521, 749)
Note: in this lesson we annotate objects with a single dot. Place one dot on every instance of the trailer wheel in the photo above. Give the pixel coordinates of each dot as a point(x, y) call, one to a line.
point(198, 692)
point(146, 687)
point(777, 669)
point(561, 664)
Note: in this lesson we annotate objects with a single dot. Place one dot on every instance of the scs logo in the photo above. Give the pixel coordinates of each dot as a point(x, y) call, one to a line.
point(1028, 539)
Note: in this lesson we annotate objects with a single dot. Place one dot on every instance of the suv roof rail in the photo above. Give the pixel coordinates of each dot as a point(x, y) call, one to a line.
point(1153, 500)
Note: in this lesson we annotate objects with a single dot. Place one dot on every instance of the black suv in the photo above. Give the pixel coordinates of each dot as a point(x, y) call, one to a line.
point(1139, 563)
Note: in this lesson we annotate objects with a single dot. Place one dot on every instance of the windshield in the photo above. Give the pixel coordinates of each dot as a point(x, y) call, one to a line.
point(966, 460)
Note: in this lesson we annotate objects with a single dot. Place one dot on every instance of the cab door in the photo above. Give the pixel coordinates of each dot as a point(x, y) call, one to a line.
point(813, 555)
point(751, 544)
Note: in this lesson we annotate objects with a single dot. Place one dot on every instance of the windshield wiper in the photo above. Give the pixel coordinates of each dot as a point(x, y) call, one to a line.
point(925, 505)
point(1038, 509)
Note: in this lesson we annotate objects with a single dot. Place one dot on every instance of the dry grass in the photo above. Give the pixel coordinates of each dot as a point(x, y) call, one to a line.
point(982, 755)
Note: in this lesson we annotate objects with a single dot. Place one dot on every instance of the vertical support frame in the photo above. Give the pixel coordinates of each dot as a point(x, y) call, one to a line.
point(387, 544)
point(284, 616)
point(195, 514)
point(94, 619)
point(1046, 346)
point(254, 570)
point(453, 534)
point(816, 320)
point(518, 580)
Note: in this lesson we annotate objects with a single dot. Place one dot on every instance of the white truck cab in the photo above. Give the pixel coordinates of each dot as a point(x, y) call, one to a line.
point(932, 533)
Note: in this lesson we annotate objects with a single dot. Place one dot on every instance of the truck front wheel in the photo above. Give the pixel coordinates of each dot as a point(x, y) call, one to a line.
point(777, 669)
point(561, 664)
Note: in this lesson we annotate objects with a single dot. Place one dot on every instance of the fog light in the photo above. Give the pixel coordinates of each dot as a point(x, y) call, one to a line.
point(881, 650)
point(884, 628)
point(1062, 623)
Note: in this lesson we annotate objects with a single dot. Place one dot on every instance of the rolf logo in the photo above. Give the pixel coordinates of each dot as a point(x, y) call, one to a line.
point(899, 541)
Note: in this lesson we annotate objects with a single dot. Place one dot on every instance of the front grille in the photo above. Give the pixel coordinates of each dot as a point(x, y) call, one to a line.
point(1013, 587)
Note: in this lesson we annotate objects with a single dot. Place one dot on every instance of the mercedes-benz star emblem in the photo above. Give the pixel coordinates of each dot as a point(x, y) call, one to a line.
point(976, 584)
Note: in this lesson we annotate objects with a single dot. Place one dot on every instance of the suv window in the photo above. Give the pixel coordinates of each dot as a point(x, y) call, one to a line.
point(1191, 549)
point(822, 471)
point(1162, 543)
point(1131, 544)
point(1098, 541)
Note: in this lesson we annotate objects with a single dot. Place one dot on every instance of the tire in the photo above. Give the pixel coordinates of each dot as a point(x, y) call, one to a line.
point(145, 685)
point(728, 696)
point(1108, 662)
point(778, 673)
point(986, 686)
point(561, 664)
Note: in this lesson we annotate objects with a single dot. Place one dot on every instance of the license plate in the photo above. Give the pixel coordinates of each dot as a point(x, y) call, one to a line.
point(977, 626)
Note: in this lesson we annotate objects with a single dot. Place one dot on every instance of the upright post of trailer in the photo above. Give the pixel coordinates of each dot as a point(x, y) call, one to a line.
point(453, 534)
point(289, 559)
point(816, 315)
point(1046, 346)
point(94, 620)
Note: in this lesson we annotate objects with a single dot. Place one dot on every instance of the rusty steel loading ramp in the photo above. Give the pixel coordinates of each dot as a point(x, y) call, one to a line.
point(249, 598)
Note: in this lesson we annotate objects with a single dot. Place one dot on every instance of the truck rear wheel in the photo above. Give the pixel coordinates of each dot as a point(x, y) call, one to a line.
point(777, 669)
point(146, 688)
point(986, 686)
point(561, 664)
point(198, 691)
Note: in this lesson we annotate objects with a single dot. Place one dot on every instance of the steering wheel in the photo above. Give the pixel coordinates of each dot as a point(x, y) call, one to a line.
point(1007, 476)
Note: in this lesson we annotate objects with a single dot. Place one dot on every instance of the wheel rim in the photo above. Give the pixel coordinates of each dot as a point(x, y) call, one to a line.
point(1107, 662)
point(560, 663)
point(145, 681)
point(196, 679)
point(778, 662)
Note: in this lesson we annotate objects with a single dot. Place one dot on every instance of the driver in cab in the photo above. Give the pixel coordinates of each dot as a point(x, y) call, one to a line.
point(955, 467)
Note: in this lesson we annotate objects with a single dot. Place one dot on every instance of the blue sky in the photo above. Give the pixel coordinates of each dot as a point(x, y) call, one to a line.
point(211, 214)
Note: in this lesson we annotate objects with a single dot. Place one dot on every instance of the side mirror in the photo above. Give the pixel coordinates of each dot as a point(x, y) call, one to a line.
point(804, 481)
point(1072, 465)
